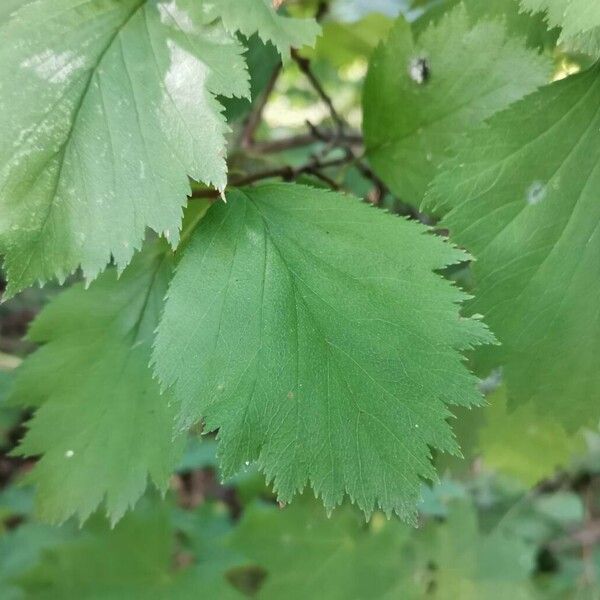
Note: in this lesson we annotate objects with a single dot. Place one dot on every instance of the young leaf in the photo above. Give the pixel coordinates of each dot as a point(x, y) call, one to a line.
point(258, 16)
point(102, 426)
point(420, 96)
point(522, 195)
point(107, 107)
point(311, 330)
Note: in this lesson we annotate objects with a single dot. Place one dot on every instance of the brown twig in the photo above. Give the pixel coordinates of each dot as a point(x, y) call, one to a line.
point(305, 68)
point(314, 167)
point(305, 139)
point(255, 117)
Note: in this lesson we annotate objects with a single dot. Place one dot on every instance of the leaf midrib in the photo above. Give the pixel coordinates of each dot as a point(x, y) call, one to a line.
point(74, 122)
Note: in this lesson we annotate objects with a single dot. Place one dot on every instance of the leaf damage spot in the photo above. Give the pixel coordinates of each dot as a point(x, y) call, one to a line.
point(419, 70)
point(536, 193)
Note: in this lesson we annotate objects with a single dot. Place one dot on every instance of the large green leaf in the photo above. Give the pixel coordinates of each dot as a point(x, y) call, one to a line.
point(102, 426)
point(107, 107)
point(311, 330)
point(421, 96)
point(523, 198)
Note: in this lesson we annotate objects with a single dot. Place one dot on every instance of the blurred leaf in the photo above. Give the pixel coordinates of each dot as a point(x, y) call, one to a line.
point(343, 43)
point(133, 560)
point(523, 443)
point(308, 555)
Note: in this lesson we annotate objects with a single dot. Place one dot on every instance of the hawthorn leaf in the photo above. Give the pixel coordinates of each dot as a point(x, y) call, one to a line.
point(22, 548)
point(107, 107)
point(311, 330)
point(421, 96)
point(259, 16)
point(522, 196)
point(307, 555)
point(344, 43)
point(133, 560)
point(532, 27)
point(471, 563)
point(576, 17)
point(524, 444)
point(102, 426)
point(262, 60)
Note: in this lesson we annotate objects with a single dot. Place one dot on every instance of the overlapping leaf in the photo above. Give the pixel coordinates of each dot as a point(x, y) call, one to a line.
point(107, 107)
point(471, 564)
point(421, 96)
point(102, 426)
point(257, 16)
point(133, 560)
point(530, 26)
point(312, 332)
point(523, 198)
point(579, 19)
point(307, 555)
point(522, 443)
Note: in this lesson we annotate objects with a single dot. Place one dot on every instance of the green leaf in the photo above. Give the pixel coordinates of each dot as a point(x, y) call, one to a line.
point(470, 564)
point(574, 16)
point(21, 549)
point(137, 559)
point(262, 61)
point(524, 444)
point(8, 7)
point(311, 330)
point(579, 19)
point(258, 16)
point(107, 107)
point(532, 27)
point(523, 198)
point(342, 44)
point(308, 555)
point(102, 425)
point(421, 96)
